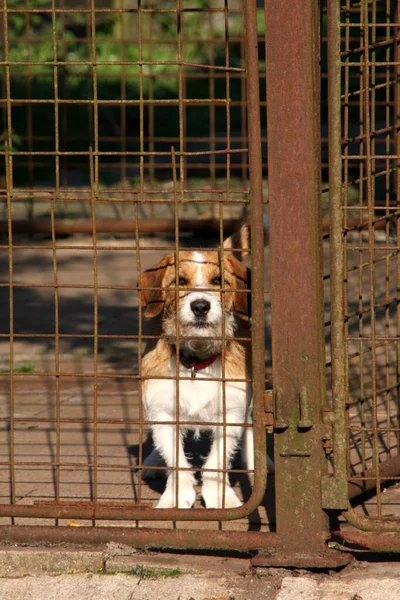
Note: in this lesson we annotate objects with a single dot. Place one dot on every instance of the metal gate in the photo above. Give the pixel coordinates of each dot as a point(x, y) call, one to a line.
point(73, 426)
point(363, 91)
point(103, 110)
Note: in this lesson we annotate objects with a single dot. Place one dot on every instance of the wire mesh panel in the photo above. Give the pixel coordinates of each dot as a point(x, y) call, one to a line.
point(124, 142)
point(105, 75)
point(369, 266)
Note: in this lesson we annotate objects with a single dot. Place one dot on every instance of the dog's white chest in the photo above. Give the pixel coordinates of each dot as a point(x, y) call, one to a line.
point(197, 396)
point(198, 399)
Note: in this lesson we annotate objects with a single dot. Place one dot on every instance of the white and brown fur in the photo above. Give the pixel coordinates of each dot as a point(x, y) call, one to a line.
point(199, 280)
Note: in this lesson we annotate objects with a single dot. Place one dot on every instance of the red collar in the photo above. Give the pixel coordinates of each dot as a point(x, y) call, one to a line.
point(198, 365)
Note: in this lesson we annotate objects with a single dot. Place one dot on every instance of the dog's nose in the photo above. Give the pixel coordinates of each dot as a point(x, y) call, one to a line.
point(200, 307)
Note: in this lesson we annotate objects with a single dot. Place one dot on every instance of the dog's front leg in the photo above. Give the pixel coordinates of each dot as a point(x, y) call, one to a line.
point(216, 490)
point(180, 490)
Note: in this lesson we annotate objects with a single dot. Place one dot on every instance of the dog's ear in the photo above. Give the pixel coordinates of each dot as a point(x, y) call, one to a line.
point(239, 242)
point(153, 299)
point(241, 298)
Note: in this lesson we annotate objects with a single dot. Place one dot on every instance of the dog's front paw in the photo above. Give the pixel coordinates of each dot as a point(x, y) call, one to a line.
point(212, 493)
point(186, 494)
point(154, 460)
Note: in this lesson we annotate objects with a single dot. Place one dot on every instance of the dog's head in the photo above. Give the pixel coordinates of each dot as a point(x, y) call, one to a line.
point(198, 292)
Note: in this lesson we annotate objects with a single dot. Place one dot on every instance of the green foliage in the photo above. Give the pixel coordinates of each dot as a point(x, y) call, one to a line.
point(23, 368)
point(144, 572)
point(71, 41)
point(75, 57)
point(15, 140)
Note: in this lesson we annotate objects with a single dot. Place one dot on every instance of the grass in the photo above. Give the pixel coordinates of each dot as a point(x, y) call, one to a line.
point(22, 368)
point(144, 572)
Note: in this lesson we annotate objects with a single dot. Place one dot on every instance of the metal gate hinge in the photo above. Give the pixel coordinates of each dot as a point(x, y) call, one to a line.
point(326, 436)
point(269, 411)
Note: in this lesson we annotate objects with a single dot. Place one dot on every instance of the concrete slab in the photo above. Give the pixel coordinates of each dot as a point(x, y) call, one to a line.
point(366, 588)
point(119, 572)
point(125, 587)
point(122, 573)
point(20, 562)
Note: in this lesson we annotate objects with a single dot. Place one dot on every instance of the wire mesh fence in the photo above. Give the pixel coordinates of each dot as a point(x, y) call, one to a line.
point(369, 263)
point(129, 81)
point(125, 139)
point(119, 113)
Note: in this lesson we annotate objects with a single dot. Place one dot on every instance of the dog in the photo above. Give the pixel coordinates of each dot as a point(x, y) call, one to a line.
point(201, 307)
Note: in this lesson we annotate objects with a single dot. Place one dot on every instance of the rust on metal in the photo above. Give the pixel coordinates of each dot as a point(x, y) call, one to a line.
point(292, 56)
point(142, 537)
point(334, 488)
point(268, 546)
point(375, 524)
point(127, 511)
point(375, 541)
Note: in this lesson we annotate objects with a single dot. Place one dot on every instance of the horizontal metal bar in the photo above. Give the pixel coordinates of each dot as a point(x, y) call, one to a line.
point(126, 102)
point(119, 63)
point(109, 336)
point(98, 10)
point(273, 552)
point(137, 153)
point(142, 537)
point(371, 524)
point(114, 376)
point(376, 541)
point(113, 466)
point(85, 226)
point(121, 421)
point(106, 511)
point(224, 197)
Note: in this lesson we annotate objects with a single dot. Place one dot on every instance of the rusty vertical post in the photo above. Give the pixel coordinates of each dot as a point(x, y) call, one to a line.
point(293, 126)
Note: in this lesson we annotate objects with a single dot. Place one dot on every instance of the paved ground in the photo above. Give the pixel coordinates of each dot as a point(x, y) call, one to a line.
point(116, 573)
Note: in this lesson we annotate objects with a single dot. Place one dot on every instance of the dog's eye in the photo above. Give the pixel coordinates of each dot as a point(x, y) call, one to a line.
point(217, 281)
point(182, 281)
